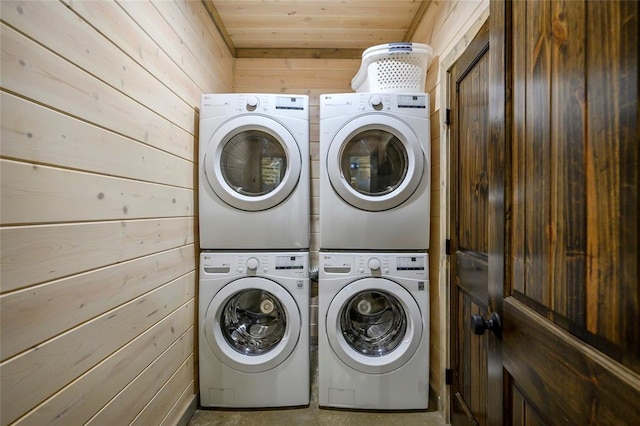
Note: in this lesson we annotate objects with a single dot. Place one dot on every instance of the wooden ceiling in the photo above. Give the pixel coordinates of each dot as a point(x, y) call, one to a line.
point(313, 28)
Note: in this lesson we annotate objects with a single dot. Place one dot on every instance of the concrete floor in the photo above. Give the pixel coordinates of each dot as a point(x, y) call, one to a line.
point(313, 415)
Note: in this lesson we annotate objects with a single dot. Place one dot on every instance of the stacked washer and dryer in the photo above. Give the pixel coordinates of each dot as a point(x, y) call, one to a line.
point(373, 289)
point(254, 237)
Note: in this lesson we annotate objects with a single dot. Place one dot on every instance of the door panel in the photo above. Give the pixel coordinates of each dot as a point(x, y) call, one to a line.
point(575, 158)
point(474, 349)
point(563, 187)
point(563, 377)
point(469, 236)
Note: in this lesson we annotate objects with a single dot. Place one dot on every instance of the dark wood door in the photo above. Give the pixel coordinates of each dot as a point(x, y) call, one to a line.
point(469, 124)
point(563, 213)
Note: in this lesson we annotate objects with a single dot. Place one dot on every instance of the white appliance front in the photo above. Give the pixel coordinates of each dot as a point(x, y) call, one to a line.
point(373, 331)
point(374, 171)
point(254, 329)
point(254, 172)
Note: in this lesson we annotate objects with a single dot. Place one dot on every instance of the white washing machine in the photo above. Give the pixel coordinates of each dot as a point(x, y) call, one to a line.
point(373, 331)
point(374, 171)
point(254, 329)
point(254, 172)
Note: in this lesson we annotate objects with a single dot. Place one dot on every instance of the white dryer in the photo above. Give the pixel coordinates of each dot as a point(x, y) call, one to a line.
point(373, 331)
point(254, 329)
point(254, 172)
point(374, 171)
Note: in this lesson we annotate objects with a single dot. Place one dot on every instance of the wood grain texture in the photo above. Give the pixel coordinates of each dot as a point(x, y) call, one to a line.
point(95, 292)
point(612, 162)
point(96, 287)
point(80, 401)
point(320, 24)
point(42, 194)
point(575, 245)
point(69, 143)
point(542, 360)
point(571, 337)
point(472, 144)
point(38, 74)
point(77, 42)
point(66, 249)
point(29, 379)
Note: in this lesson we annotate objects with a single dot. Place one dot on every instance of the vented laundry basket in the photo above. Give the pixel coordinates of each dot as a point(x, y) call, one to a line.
point(393, 67)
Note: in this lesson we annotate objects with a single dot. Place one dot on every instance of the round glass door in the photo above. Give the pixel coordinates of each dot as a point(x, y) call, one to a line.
point(252, 163)
point(374, 325)
point(375, 166)
point(374, 162)
point(252, 324)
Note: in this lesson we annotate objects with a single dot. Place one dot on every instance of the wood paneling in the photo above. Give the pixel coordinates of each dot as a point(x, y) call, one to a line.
point(575, 163)
point(543, 360)
point(612, 157)
point(43, 194)
point(80, 401)
point(34, 72)
point(97, 291)
point(350, 24)
point(99, 129)
point(564, 188)
point(63, 143)
point(472, 206)
point(41, 371)
point(66, 249)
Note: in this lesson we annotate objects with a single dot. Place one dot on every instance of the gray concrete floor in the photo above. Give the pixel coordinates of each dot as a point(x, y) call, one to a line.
point(313, 415)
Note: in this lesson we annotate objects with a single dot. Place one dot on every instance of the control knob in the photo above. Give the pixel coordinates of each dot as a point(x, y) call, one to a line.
point(252, 103)
point(253, 263)
point(374, 264)
point(376, 102)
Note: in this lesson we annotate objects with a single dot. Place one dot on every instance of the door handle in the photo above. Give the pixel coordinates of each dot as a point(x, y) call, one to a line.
point(479, 325)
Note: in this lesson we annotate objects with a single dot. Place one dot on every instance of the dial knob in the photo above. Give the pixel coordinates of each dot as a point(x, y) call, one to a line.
point(252, 103)
point(374, 264)
point(376, 102)
point(253, 263)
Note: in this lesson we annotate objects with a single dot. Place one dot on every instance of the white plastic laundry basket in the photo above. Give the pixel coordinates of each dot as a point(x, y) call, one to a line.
point(393, 67)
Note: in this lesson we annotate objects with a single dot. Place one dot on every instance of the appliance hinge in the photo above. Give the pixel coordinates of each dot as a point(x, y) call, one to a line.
point(447, 247)
point(448, 376)
point(447, 119)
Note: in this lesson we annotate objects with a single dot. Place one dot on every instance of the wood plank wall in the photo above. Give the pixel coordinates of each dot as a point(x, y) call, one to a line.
point(447, 27)
point(98, 207)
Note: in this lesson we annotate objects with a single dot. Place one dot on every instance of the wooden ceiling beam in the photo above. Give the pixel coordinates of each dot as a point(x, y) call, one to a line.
point(299, 53)
point(422, 10)
point(217, 21)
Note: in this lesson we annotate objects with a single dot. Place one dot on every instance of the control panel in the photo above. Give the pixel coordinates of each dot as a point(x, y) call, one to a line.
point(341, 104)
point(220, 105)
point(376, 264)
point(289, 265)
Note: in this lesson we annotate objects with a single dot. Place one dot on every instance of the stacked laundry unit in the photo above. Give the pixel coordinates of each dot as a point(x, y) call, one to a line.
point(373, 290)
point(254, 240)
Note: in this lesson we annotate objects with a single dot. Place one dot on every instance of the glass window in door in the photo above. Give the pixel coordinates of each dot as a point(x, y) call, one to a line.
point(253, 163)
point(373, 323)
point(253, 322)
point(374, 162)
